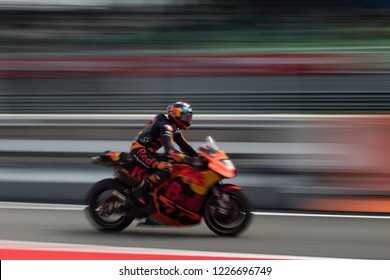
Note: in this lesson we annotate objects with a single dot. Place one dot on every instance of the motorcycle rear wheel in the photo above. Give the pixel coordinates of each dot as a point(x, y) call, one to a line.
point(101, 211)
point(235, 221)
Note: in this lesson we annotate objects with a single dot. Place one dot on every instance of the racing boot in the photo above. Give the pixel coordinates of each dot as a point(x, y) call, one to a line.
point(143, 192)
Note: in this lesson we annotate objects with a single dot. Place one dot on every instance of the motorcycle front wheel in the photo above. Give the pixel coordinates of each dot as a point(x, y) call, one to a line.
point(230, 220)
point(106, 209)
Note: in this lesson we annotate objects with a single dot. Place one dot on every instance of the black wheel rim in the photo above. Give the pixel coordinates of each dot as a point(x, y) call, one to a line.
point(233, 217)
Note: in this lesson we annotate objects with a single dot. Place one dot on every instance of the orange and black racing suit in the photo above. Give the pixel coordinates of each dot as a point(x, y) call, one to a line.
point(158, 132)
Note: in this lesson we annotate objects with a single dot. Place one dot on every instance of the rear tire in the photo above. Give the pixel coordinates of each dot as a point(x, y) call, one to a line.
point(101, 199)
point(232, 223)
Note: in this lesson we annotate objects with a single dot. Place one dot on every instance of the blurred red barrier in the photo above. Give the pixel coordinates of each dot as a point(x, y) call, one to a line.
point(184, 65)
point(363, 184)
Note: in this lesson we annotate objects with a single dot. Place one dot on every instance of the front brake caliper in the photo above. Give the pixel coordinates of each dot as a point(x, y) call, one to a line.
point(222, 200)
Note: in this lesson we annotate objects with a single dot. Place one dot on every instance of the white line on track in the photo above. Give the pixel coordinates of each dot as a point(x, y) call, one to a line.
point(72, 207)
point(213, 117)
point(341, 215)
point(40, 206)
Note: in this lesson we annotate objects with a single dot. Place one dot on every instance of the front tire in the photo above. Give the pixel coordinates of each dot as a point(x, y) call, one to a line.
point(230, 223)
point(103, 210)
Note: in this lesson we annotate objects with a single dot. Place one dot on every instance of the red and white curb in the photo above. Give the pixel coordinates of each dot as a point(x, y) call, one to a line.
point(20, 250)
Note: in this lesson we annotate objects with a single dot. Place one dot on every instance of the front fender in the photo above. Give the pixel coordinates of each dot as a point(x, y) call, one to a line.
point(230, 187)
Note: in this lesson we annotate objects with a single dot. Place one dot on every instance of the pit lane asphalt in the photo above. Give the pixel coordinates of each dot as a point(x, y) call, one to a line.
point(292, 235)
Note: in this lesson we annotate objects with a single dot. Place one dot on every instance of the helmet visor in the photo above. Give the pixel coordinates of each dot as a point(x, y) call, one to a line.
point(186, 117)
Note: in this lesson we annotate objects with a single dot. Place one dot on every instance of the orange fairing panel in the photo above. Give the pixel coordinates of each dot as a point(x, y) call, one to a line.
point(218, 163)
point(221, 168)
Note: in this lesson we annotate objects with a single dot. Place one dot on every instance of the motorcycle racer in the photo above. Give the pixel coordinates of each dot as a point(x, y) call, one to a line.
point(162, 131)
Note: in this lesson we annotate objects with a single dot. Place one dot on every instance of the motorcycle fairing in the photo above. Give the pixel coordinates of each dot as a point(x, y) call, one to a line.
point(198, 180)
point(230, 187)
point(180, 201)
point(218, 161)
point(124, 164)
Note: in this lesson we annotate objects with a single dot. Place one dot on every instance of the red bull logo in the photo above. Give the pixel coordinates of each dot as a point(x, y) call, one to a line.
point(144, 157)
point(190, 175)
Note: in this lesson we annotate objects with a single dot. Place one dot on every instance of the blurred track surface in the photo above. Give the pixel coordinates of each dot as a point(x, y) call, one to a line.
point(362, 237)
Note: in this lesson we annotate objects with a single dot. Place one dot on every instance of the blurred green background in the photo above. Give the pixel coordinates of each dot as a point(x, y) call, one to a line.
point(204, 25)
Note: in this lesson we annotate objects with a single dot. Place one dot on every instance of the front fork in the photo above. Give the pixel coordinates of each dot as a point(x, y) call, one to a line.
point(221, 192)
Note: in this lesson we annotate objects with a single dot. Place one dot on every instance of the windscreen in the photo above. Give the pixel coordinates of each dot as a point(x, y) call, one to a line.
point(212, 144)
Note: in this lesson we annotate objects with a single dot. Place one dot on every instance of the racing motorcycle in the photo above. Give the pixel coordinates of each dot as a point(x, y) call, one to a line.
point(191, 193)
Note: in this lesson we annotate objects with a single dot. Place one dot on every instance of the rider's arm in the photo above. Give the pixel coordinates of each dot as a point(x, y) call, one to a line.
point(183, 144)
point(166, 133)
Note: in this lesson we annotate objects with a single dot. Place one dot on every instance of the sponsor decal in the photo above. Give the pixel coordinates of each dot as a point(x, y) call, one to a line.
point(184, 196)
point(146, 139)
point(143, 157)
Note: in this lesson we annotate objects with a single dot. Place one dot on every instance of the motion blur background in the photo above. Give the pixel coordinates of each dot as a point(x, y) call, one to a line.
point(297, 92)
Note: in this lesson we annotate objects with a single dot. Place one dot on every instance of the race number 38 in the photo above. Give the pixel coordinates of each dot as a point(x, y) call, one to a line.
point(255, 270)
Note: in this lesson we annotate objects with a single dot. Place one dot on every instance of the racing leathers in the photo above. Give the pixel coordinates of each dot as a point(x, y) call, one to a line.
point(158, 132)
